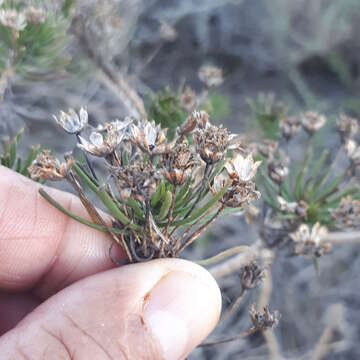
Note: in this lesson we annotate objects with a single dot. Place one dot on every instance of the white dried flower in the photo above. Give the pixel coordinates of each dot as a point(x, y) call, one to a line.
point(347, 126)
point(212, 76)
point(13, 19)
point(35, 15)
point(71, 122)
point(167, 32)
point(241, 168)
point(148, 136)
point(312, 121)
point(100, 146)
point(311, 242)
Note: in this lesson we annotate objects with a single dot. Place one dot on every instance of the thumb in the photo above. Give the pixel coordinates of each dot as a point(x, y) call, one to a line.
point(156, 310)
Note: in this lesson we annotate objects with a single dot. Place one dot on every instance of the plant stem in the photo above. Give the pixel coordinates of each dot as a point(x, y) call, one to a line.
point(249, 332)
point(225, 255)
point(201, 229)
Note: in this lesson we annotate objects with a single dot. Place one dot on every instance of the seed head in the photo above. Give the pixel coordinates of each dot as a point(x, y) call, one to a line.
point(290, 126)
point(211, 143)
point(251, 275)
point(13, 19)
point(47, 167)
point(347, 215)
point(178, 164)
point(267, 148)
point(198, 119)
point(188, 99)
point(149, 137)
point(138, 181)
point(100, 146)
point(264, 320)
point(347, 126)
point(71, 122)
point(35, 15)
point(241, 168)
point(212, 76)
point(277, 171)
point(311, 242)
point(312, 121)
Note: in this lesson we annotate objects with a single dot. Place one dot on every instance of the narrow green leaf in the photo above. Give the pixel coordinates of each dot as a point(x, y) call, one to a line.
point(133, 204)
point(330, 188)
point(165, 206)
point(158, 193)
point(197, 212)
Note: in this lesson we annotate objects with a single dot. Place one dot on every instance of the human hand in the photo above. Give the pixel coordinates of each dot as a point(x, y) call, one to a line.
point(57, 278)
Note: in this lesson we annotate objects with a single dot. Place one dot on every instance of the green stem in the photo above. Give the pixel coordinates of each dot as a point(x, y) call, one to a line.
point(224, 255)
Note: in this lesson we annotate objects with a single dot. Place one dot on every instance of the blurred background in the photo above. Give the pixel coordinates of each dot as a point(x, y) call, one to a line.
point(120, 55)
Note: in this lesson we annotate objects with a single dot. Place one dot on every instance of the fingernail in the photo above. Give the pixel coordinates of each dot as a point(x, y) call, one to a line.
point(181, 311)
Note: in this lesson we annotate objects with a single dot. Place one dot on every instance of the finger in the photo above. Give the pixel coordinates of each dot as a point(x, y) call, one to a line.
point(40, 245)
point(156, 310)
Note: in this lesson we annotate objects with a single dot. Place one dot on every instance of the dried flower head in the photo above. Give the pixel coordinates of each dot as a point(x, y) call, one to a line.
point(264, 320)
point(212, 76)
point(47, 167)
point(347, 215)
point(353, 151)
point(277, 171)
point(198, 119)
point(298, 208)
point(251, 275)
point(238, 194)
point(13, 19)
point(178, 163)
point(267, 148)
point(100, 145)
point(290, 126)
point(188, 99)
point(35, 15)
point(149, 137)
point(211, 142)
point(347, 126)
point(312, 121)
point(241, 168)
point(311, 242)
point(138, 181)
point(71, 122)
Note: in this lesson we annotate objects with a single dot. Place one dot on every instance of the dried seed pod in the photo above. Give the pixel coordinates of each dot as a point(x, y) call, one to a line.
point(47, 167)
point(251, 275)
point(310, 242)
point(71, 122)
point(35, 15)
point(277, 171)
point(188, 99)
point(347, 126)
point(198, 119)
point(347, 215)
point(178, 164)
point(211, 143)
point(264, 320)
point(290, 126)
point(13, 19)
point(149, 137)
point(241, 168)
point(212, 76)
point(312, 121)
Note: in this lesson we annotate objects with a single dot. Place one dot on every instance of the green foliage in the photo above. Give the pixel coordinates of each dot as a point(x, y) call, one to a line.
point(38, 48)
point(267, 113)
point(165, 109)
point(315, 181)
point(10, 158)
point(217, 105)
